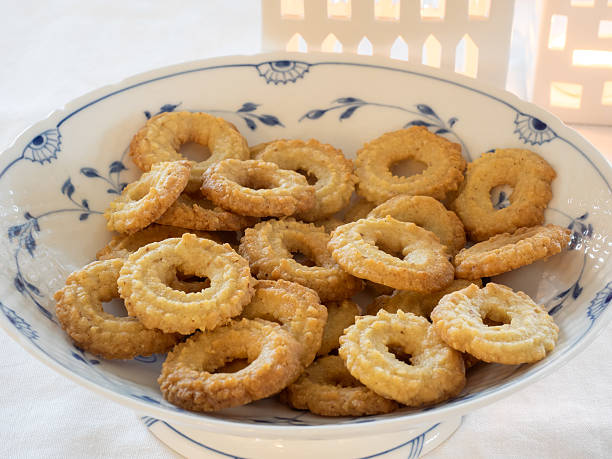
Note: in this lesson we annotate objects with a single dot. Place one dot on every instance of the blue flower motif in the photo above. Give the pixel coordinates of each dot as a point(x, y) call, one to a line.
point(282, 71)
point(600, 302)
point(43, 147)
point(532, 130)
point(19, 323)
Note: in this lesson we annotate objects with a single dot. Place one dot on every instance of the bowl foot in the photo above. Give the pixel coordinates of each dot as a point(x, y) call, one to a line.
point(194, 443)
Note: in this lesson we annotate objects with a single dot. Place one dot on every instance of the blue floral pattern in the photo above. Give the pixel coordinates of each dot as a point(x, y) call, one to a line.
point(347, 106)
point(532, 130)
point(282, 72)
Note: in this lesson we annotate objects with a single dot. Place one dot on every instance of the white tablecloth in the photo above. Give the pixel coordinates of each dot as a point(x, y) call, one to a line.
point(52, 52)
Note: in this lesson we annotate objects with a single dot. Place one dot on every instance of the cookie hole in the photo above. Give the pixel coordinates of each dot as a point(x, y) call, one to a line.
point(310, 178)
point(194, 151)
point(255, 182)
point(400, 354)
point(115, 307)
point(139, 191)
point(407, 167)
point(380, 245)
point(189, 283)
point(343, 381)
point(496, 320)
point(500, 196)
point(302, 259)
point(269, 317)
point(233, 366)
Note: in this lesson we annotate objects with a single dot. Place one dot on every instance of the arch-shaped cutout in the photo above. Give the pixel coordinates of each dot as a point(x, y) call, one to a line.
point(339, 9)
point(331, 44)
point(592, 58)
point(605, 29)
point(297, 44)
point(567, 95)
point(292, 9)
point(433, 9)
point(432, 52)
point(558, 32)
point(583, 3)
point(466, 57)
point(606, 95)
point(399, 49)
point(387, 10)
point(479, 9)
point(365, 47)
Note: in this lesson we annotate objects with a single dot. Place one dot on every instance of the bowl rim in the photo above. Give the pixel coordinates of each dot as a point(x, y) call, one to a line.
point(409, 420)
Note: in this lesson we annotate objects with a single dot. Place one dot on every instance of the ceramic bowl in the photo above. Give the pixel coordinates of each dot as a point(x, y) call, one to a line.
point(60, 174)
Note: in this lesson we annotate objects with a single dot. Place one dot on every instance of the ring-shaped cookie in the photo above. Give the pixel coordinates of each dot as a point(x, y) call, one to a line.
point(340, 315)
point(257, 188)
point(188, 377)
point(335, 181)
point(435, 373)
point(161, 137)
point(269, 245)
point(144, 200)
point(147, 273)
point(327, 388)
point(194, 211)
point(296, 308)
point(80, 313)
point(419, 304)
point(428, 213)
point(444, 171)
point(526, 334)
point(528, 174)
point(122, 245)
point(423, 266)
point(505, 252)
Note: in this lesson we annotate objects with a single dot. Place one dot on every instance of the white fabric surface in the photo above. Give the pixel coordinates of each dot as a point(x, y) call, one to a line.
point(52, 52)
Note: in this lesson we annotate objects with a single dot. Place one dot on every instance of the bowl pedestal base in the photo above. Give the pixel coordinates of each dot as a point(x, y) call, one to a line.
point(194, 443)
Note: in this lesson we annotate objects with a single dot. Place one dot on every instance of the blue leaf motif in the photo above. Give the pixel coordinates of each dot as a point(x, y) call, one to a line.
point(347, 100)
point(112, 191)
point(576, 291)
point(32, 288)
point(452, 121)
point(583, 216)
point(116, 166)
point(147, 114)
point(168, 108)
point(89, 172)
point(78, 357)
point(442, 131)
point(85, 204)
point(68, 188)
point(348, 112)
point(315, 114)
point(269, 120)
point(15, 231)
point(83, 217)
point(426, 110)
point(250, 123)
point(248, 107)
point(418, 123)
point(30, 244)
point(19, 285)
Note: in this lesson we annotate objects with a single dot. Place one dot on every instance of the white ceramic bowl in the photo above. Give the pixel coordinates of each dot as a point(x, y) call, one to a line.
point(59, 175)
